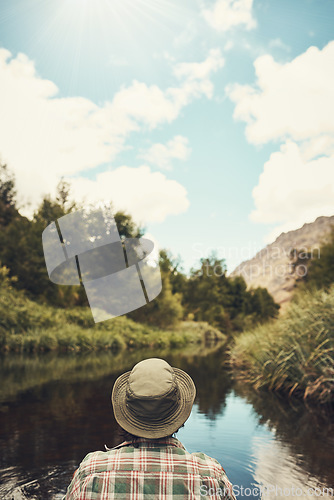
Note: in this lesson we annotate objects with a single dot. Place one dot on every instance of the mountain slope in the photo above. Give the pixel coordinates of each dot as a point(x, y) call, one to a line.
point(271, 267)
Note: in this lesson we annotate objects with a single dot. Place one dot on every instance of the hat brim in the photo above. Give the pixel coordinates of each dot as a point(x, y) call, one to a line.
point(155, 428)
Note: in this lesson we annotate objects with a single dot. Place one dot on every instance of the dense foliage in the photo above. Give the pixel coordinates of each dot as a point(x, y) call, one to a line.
point(208, 294)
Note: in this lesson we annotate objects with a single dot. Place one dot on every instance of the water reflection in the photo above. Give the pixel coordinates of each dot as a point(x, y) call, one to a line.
point(303, 439)
point(211, 378)
point(55, 409)
point(281, 473)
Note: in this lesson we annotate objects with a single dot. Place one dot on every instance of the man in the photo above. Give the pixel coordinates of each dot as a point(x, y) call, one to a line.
point(150, 404)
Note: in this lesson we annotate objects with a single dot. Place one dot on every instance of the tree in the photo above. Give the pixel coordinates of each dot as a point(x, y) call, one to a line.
point(8, 193)
point(206, 294)
point(171, 266)
point(126, 226)
point(165, 310)
point(63, 196)
point(320, 270)
point(238, 296)
point(52, 209)
point(14, 228)
point(261, 305)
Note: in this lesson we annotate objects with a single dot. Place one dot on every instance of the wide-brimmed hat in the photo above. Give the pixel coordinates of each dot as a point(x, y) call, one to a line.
point(153, 399)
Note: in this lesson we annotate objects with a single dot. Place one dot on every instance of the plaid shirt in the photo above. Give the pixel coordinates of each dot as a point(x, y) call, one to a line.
point(160, 468)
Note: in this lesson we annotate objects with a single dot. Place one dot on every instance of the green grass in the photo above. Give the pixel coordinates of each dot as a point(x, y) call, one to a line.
point(293, 354)
point(26, 326)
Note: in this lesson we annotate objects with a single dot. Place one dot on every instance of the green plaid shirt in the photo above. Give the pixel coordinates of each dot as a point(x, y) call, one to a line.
point(150, 469)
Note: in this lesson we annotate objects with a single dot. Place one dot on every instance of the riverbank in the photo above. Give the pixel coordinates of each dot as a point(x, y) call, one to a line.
point(26, 326)
point(294, 354)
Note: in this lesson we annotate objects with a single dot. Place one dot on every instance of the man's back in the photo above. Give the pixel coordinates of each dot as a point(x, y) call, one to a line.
point(159, 468)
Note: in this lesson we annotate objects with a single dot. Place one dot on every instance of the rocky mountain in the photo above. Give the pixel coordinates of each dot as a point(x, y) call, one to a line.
point(272, 268)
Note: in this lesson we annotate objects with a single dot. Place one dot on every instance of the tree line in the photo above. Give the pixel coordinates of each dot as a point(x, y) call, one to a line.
point(206, 294)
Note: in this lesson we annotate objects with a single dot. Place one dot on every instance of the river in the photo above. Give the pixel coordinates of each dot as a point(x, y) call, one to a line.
point(54, 409)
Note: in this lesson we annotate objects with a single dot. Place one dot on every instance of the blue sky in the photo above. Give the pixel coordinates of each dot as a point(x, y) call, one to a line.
point(211, 122)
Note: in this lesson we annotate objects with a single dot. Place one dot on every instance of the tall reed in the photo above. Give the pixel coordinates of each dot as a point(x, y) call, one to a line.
point(293, 354)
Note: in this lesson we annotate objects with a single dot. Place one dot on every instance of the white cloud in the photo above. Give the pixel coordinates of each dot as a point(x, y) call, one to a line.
point(187, 35)
point(148, 196)
point(152, 106)
point(226, 14)
point(228, 45)
point(319, 146)
point(292, 103)
point(292, 190)
point(289, 100)
point(44, 136)
point(162, 155)
point(277, 43)
point(200, 71)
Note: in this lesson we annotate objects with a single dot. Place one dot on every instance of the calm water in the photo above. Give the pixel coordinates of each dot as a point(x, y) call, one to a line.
point(56, 409)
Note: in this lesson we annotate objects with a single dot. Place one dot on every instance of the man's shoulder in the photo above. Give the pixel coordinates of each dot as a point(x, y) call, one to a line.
point(204, 464)
point(93, 459)
point(202, 456)
point(208, 461)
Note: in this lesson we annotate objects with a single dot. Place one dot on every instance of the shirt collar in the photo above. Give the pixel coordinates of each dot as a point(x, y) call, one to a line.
point(151, 443)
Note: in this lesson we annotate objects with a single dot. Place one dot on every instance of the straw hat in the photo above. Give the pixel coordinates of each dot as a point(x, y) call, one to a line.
point(153, 399)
